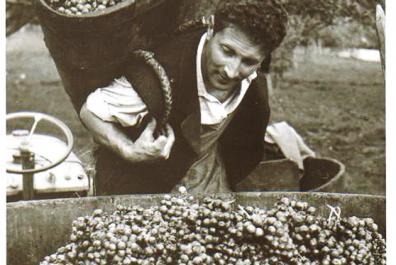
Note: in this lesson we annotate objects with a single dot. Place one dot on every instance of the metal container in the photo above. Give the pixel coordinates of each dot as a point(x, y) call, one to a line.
point(38, 228)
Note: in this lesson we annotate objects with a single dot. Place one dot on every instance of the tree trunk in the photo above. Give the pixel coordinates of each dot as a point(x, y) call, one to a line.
point(18, 13)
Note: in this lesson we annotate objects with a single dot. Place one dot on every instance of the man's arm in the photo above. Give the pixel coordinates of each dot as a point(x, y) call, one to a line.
point(145, 148)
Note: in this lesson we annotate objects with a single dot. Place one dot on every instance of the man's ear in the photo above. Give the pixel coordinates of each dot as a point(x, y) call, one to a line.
point(209, 22)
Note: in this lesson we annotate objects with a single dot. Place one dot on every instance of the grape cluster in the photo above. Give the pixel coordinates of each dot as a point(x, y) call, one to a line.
point(184, 230)
point(81, 7)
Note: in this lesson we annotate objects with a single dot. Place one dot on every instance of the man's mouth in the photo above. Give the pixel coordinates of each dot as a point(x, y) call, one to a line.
point(223, 79)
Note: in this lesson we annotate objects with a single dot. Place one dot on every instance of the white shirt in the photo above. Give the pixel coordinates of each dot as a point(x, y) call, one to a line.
point(120, 103)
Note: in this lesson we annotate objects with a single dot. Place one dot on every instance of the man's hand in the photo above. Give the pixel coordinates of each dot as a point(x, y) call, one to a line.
point(145, 148)
point(148, 148)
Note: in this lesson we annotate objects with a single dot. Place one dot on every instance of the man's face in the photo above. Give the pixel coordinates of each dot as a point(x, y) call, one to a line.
point(229, 57)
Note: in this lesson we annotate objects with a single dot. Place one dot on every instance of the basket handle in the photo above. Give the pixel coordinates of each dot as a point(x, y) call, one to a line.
point(148, 58)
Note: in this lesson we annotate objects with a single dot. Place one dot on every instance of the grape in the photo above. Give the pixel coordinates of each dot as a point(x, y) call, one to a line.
point(183, 230)
point(81, 7)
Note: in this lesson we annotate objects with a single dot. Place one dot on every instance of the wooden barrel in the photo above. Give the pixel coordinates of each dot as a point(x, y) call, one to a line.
point(320, 175)
point(38, 228)
point(323, 174)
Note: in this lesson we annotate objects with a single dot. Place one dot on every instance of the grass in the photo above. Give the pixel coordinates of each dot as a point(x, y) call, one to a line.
point(338, 105)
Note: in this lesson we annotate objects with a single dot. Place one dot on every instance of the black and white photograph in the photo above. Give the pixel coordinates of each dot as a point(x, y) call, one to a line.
point(186, 132)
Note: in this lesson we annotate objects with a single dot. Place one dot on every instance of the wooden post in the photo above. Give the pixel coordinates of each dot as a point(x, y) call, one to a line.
point(380, 23)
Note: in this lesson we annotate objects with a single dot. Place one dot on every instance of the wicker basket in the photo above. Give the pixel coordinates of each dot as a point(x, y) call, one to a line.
point(90, 50)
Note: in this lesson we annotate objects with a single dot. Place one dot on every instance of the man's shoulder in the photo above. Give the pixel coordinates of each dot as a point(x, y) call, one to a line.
point(257, 96)
point(259, 86)
point(180, 40)
point(178, 49)
point(173, 54)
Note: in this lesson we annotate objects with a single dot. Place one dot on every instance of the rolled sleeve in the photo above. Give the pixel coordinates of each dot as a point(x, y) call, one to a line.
point(117, 103)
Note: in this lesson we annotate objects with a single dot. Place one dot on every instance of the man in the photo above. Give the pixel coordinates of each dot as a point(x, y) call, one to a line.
point(220, 110)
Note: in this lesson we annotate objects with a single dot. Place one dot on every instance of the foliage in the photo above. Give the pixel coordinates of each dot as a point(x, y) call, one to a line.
point(309, 16)
point(313, 20)
point(349, 34)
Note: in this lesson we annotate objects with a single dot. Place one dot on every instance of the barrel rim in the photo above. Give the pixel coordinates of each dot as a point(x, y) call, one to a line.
point(254, 194)
point(100, 13)
point(119, 14)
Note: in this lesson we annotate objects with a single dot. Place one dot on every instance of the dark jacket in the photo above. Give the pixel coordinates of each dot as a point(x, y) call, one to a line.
point(241, 144)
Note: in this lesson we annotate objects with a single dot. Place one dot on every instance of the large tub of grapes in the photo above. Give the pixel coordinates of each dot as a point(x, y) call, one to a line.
point(236, 228)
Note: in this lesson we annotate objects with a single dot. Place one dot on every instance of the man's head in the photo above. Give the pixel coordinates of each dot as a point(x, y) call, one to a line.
point(245, 33)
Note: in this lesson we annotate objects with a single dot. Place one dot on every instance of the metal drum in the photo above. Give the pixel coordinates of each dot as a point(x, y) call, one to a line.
point(38, 228)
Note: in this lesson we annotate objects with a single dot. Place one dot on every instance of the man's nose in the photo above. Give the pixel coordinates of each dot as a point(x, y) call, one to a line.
point(232, 69)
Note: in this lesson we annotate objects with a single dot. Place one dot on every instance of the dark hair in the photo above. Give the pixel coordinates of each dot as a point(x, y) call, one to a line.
point(263, 20)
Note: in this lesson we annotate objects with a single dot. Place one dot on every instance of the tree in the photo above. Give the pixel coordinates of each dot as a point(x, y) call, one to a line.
point(308, 19)
point(18, 13)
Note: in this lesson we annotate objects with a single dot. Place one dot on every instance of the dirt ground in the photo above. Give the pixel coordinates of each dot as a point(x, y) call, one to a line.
point(337, 105)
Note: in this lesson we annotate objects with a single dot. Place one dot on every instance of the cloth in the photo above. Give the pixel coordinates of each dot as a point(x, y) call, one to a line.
point(240, 144)
point(289, 141)
point(119, 102)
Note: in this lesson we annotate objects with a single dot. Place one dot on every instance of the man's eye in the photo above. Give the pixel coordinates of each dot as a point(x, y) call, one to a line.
point(227, 50)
